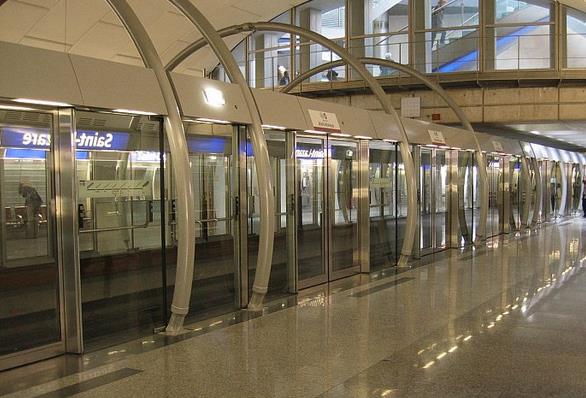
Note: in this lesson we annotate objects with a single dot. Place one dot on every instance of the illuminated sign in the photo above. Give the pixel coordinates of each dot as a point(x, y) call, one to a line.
point(208, 144)
point(84, 139)
point(309, 153)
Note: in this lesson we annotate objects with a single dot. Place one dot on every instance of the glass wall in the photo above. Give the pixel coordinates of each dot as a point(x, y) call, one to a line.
point(328, 18)
point(433, 36)
point(269, 57)
point(576, 39)
point(520, 34)
point(29, 272)
point(381, 30)
point(446, 35)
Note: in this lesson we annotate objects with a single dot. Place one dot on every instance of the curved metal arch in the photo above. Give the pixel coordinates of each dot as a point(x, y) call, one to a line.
point(180, 154)
point(482, 171)
point(374, 86)
point(260, 147)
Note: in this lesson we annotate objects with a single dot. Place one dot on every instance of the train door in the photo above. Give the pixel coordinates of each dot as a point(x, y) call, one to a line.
point(327, 221)
point(31, 321)
point(433, 198)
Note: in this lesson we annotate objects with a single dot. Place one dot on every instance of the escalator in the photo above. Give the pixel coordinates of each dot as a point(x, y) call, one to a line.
point(461, 54)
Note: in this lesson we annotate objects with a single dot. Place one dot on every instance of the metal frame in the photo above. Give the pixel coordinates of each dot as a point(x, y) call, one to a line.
point(265, 183)
point(372, 83)
point(179, 152)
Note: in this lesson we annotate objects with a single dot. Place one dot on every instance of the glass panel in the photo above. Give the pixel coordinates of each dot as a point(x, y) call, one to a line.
point(402, 200)
point(326, 17)
point(279, 280)
point(576, 39)
point(495, 196)
point(515, 11)
point(515, 194)
point(344, 201)
point(425, 199)
point(29, 275)
point(526, 47)
point(310, 154)
point(447, 51)
point(118, 173)
point(383, 204)
point(447, 14)
point(270, 57)
point(212, 164)
point(467, 198)
point(441, 186)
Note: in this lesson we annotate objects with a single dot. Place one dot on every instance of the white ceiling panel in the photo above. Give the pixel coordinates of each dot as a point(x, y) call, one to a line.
point(71, 18)
point(93, 44)
point(16, 19)
point(90, 28)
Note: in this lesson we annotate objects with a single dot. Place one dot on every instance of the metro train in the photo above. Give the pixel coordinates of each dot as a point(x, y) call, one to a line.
point(99, 251)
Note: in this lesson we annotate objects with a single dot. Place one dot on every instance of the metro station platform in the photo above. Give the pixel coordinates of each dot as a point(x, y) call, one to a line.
point(505, 319)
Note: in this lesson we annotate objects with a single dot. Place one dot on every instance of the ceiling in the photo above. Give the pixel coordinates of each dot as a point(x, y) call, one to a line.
point(90, 28)
point(573, 133)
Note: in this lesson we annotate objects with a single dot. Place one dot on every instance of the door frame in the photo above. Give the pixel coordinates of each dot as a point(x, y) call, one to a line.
point(61, 185)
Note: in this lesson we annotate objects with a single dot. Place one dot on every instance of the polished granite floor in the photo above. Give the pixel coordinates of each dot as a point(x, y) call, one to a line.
point(506, 320)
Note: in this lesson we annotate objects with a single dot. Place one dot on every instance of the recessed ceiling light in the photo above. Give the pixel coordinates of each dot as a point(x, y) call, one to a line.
point(43, 102)
point(145, 113)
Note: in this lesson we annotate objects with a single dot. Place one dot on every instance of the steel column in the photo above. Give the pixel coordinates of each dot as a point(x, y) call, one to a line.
point(181, 169)
point(259, 144)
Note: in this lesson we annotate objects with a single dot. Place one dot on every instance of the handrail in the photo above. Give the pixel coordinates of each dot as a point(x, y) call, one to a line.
point(208, 220)
point(129, 227)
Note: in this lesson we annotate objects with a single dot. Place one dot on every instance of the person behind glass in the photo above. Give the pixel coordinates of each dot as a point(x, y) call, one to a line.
point(584, 196)
point(332, 75)
point(284, 77)
point(437, 22)
point(32, 202)
point(385, 70)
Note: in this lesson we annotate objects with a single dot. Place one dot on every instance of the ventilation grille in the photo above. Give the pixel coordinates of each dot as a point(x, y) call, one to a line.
point(91, 122)
point(16, 117)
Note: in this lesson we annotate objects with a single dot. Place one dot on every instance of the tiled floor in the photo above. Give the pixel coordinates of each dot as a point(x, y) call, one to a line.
point(509, 321)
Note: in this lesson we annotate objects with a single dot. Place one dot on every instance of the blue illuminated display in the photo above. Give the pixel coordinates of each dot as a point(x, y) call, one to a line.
point(23, 153)
point(206, 144)
point(85, 139)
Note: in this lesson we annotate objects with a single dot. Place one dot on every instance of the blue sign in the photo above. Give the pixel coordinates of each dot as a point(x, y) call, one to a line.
point(85, 139)
point(206, 144)
point(23, 153)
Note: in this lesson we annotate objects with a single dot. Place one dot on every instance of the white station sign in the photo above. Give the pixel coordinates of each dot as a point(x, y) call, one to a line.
point(437, 137)
point(324, 121)
point(498, 146)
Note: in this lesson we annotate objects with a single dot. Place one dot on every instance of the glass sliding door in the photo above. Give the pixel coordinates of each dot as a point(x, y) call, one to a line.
point(280, 280)
point(30, 306)
point(118, 168)
point(310, 186)
point(425, 199)
point(383, 204)
point(343, 207)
